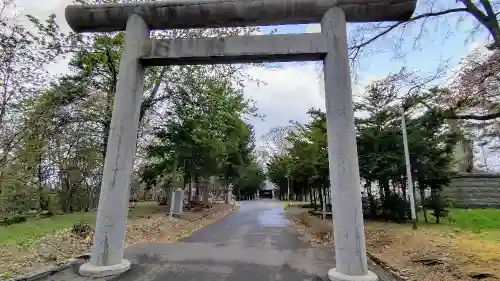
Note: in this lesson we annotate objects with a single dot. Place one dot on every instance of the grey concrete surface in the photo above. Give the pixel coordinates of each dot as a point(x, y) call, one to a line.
point(256, 243)
point(219, 13)
point(109, 236)
point(235, 49)
point(350, 249)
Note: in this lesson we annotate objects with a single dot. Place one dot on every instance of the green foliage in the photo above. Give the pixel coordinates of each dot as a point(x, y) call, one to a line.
point(438, 204)
point(476, 220)
point(381, 155)
point(251, 179)
point(207, 137)
point(395, 208)
point(13, 220)
point(81, 228)
point(380, 147)
point(54, 131)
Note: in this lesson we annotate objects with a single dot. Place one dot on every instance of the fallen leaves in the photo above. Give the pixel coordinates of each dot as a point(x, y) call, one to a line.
point(65, 244)
point(434, 253)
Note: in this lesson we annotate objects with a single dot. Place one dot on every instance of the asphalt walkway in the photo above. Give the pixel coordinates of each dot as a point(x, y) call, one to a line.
point(256, 243)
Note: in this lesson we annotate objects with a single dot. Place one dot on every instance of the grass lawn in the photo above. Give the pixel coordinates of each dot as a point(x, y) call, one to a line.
point(482, 222)
point(23, 234)
point(476, 220)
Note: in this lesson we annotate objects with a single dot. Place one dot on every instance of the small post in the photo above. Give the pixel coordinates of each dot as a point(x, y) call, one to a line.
point(172, 202)
point(109, 237)
point(347, 215)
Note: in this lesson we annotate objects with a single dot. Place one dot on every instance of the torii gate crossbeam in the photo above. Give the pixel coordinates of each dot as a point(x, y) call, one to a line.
point(140, 51)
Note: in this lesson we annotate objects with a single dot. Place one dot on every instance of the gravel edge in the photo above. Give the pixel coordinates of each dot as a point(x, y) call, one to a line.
point(51, 269)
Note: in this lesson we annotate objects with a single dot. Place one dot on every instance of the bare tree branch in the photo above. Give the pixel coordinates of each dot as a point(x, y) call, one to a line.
point(356, 48)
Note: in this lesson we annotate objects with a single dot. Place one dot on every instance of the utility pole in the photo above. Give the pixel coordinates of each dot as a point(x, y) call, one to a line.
point(288, 187)
point(323, 191)
point(408, 170)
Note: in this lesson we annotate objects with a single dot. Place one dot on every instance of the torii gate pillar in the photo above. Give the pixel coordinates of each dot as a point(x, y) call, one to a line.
point(347, 212)
point(330, 46)
point(109, 237)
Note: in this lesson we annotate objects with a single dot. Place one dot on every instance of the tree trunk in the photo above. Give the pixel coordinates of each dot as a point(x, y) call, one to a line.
point(190, 193)
point(314, 198)
point(371, 200)
point(381, 192)
point(105, 134)
point(321, 197)
point(384, 182)
point(422, 199)
point(197, 188)
point(42, 201)
point(403, 188)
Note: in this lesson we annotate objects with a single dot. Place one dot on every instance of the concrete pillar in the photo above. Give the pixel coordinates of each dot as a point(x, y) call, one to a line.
point(107, 251)
point(349, 235)
point(178, 202)
point(229, 195)
point(204, 193)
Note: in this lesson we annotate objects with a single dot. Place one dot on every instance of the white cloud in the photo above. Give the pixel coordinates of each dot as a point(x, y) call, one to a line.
point(42, 9)
point(287, 94)
point(476, 51)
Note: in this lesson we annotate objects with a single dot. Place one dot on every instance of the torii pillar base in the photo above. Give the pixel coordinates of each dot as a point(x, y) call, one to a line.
point(90, 270)
point(333, 275)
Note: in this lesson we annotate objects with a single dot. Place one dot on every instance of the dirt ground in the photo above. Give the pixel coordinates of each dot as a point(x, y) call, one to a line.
point(431, 253)
point(147, 227)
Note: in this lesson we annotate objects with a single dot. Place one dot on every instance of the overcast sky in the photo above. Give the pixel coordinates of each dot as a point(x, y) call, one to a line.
point(289, 91)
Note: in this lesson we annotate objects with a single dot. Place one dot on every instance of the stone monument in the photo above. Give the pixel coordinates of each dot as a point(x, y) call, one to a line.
point(178, 202)
point(463, 152)
point(470, 187)
point(229, 194)
point(140, 51)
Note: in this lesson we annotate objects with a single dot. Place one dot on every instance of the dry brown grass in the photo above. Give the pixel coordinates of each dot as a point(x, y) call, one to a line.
point(152, 226)
point(431, 253)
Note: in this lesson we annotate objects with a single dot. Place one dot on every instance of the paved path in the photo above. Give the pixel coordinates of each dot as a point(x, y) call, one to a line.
point(257, 243)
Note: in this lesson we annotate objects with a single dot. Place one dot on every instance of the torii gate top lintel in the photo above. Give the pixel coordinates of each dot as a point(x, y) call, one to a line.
point(174, 14)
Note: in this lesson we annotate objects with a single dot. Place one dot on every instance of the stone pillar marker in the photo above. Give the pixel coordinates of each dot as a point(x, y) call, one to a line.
point(347, 213)
point(177, 202)
point(109, 237)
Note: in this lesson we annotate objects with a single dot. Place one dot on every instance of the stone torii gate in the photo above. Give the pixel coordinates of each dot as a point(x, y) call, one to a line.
point(330, 46)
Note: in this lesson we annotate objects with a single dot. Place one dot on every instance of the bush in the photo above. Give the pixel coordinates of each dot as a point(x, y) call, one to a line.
point(81, 229)
point(438, 204)
point(395, 208)
point(13, 220)
point(46, 214)
point(309, 206)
